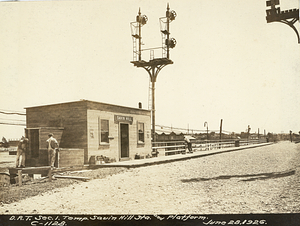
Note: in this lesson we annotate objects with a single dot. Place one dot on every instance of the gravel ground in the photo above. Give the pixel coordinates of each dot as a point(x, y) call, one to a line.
point(257, 180)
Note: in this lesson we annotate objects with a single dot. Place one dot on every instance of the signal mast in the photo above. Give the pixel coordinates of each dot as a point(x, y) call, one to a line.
point(288, 17)
point(154, 65)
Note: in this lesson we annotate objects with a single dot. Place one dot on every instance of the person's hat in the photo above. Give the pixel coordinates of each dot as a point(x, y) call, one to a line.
point(50, 134)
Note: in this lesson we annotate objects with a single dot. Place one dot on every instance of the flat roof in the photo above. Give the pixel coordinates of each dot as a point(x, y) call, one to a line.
point(88, 101)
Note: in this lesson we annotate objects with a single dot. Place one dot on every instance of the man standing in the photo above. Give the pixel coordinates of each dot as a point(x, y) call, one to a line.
point(189, 144)
point(20, 161)
point(52, 146)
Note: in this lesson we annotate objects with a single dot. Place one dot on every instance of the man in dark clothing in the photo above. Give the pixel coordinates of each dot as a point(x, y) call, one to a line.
point(20, 161)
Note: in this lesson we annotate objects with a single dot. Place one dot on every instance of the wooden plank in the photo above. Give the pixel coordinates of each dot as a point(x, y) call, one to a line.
point(72, 177)
point(176, 146)
point(34, 169)
point(38, 167)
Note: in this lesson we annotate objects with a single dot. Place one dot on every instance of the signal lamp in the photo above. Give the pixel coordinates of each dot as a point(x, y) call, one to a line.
point(142, 19)
point(171, 42)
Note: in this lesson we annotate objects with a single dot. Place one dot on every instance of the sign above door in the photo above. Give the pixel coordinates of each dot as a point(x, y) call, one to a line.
point(121, 118)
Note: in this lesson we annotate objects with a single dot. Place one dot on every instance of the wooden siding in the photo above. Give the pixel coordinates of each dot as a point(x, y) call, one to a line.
point(41, 160)
point(78, 126)
point(67, 157)
point(71, 157)
point(37, 142)
point(44, 132)
point(94, 148)
point(71, 116)
point(113, 149)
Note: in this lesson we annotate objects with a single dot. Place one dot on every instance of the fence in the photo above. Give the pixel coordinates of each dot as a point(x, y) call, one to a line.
point(178, 147)
point(169, 147)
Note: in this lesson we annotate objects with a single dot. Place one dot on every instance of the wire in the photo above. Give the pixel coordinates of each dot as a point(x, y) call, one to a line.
point(169, 127)
point(21, 120)
point(194, 130)
point(12, 113)
point(12, 124)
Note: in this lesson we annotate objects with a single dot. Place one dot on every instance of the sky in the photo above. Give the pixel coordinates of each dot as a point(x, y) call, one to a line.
point(229, 63)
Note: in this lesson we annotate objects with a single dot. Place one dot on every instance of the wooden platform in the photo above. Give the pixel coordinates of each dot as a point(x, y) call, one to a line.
point(34, 170)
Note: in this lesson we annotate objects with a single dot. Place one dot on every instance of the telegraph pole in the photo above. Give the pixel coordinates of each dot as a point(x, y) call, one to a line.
point(154, 65)
point(248, 132)
point(221, 129)
point(206, 124)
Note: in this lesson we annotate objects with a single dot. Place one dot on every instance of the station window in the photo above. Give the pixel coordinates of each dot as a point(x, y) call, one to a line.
point(141, 132)
point(103, 131)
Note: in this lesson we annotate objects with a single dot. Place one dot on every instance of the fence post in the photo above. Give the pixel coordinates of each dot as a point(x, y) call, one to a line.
point(20, 177)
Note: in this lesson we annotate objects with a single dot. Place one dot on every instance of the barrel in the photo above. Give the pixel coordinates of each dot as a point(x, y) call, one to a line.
point(4, 177)
point(92, 160)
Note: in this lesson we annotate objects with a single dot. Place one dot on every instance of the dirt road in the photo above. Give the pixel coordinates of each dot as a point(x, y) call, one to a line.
point(257, 180)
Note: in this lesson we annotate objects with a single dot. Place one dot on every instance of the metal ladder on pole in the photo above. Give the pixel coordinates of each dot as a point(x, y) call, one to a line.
point(135, 52)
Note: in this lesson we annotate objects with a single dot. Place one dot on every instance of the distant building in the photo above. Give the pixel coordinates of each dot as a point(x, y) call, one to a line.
point(13, 142)
point(165, 133)
point(169, 136)
point(97, 129)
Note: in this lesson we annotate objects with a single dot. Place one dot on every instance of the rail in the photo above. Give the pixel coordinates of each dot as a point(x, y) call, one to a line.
point(168, 147)
point(179, 147)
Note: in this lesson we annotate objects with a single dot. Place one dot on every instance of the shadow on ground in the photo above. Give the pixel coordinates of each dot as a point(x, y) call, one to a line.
point(251, 177)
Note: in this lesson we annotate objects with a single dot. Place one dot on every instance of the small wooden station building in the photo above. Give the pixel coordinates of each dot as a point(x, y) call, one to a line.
point(87, 129)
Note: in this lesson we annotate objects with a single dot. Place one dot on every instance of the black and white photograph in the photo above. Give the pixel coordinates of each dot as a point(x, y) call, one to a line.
point(139, 112)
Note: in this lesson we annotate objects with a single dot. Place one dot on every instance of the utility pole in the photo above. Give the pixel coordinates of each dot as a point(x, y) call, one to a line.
point(221, 129)
point(154, 65)
point(248, 131)
point(206, 124)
